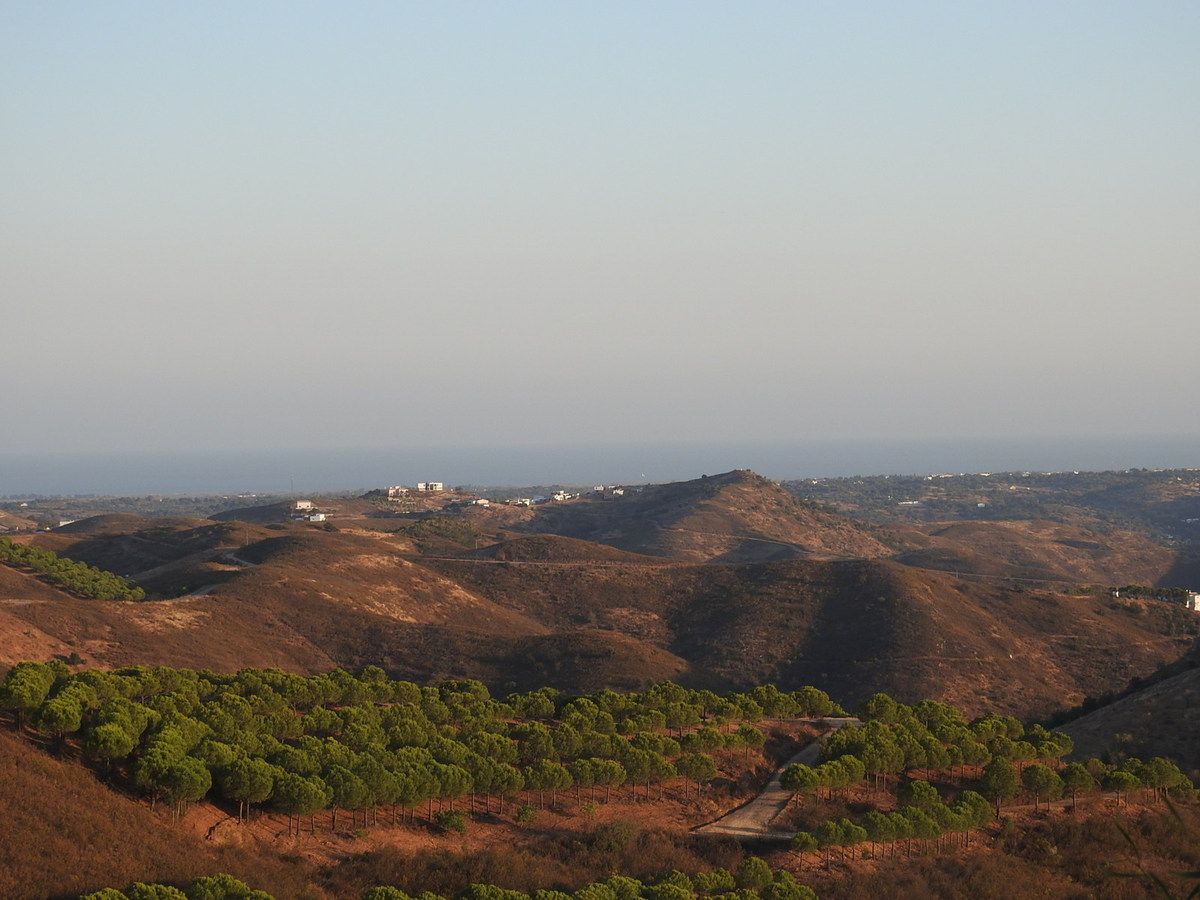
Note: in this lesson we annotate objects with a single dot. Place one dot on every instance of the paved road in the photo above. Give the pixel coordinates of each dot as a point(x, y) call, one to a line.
point(752, 820)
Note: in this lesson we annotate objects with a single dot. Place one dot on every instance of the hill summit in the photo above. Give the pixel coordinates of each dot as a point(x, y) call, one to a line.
point(737, 516)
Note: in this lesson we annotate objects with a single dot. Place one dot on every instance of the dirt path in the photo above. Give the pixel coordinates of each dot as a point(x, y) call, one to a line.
point(752, 820)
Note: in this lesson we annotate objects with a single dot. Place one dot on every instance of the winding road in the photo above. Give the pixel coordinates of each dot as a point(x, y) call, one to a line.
point(752, 820)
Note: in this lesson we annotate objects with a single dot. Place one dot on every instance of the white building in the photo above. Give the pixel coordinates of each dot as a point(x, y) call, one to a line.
point(397, 492)
point(481, 501)
point(303, 505)
point(1192, 601)
point(430, 487)
point(316, 517)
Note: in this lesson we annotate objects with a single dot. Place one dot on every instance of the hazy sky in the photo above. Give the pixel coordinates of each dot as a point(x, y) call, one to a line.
point(259, 225)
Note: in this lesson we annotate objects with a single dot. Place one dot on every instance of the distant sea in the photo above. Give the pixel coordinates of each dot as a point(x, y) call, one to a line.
point(337, 470)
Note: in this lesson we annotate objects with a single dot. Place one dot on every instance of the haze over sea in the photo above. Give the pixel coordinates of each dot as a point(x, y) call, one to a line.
point(351, 469)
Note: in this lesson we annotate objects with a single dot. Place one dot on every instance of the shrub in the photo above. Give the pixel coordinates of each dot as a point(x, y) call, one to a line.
point(451, 820)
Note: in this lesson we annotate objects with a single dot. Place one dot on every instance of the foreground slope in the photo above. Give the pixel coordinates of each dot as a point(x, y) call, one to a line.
point(62, 833)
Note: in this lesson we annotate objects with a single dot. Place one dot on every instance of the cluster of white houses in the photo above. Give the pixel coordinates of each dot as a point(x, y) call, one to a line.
point(399, 491)
point(307, 510)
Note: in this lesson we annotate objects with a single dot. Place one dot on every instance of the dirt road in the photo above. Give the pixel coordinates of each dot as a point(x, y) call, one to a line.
point(752, 820)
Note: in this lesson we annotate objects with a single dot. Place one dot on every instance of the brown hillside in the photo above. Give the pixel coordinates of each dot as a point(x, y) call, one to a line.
point(854, 627)
point(63, 833)
point(11, 522)
point(305, 599)
point(1038, 550)
point(1160, 720)
point(736, 516)
point(553, 548)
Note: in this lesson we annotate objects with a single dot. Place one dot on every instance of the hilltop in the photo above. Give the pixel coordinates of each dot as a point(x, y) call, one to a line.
point(733, 517)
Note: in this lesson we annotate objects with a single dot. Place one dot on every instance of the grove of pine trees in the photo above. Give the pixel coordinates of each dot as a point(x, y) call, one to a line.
point(76, 577)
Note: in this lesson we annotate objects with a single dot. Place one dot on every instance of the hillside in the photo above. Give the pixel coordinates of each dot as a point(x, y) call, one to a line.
point(1161, 503)
point(854, 627)
point(552, 548)
point(736, 516)
point(1160, 720)
point(55, 816)
point(12, 523)
point(443, 597)
point(1037, 550)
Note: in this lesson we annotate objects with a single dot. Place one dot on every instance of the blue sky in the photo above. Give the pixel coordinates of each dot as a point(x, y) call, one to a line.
point(251, 225)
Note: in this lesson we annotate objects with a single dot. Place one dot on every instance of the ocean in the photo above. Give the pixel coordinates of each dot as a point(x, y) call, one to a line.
point(351, 469)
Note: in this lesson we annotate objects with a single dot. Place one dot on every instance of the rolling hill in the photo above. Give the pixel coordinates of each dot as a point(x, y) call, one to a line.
point(733, 517)
point(676, 586)
point(1037, 549)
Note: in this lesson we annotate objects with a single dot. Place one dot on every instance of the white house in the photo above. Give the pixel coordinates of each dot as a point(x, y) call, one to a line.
point(481, 501)
point(396, 492)
point(430, 487)
point(316, 517)
point(1192, 601)
point(303, 505)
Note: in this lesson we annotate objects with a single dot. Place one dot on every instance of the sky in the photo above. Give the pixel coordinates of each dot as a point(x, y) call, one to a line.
point(251, 226)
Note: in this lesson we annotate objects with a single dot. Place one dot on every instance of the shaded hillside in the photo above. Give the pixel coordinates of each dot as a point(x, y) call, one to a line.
point(1038, 550)
point(736, 516)
point(576, 615)
point(168, 557)
point(1160, 720)
point(63, 833)
point(853, 627)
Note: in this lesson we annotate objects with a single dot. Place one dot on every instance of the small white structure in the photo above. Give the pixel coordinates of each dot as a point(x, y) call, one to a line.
point(617, 492)
point(1192, 601)
point(302, 505)
point(397, 492)
point(62, 522)
point(430, 487)
point(480, 501)
point(560, 496)
point(316, 517)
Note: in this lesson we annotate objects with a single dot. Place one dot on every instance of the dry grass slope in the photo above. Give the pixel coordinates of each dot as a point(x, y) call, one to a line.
point(63, 833)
